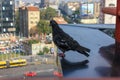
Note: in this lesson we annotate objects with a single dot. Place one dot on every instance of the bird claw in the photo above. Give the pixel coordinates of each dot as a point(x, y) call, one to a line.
point(61, 55)
point(86, 53)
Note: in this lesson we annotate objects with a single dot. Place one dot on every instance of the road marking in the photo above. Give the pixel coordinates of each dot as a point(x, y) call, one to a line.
point(3, 76)
point(48, 70)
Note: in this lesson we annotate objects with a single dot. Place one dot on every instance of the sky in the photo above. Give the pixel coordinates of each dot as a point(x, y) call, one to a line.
point(53, 0)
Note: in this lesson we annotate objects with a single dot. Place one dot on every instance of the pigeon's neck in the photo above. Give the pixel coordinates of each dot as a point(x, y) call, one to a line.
point(56, 30)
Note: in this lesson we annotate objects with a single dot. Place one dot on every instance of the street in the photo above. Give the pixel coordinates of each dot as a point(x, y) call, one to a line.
point(41, 67)
point(42, 70)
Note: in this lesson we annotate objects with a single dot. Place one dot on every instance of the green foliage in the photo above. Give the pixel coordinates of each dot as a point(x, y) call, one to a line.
point(40, 53)
point(47, 14)
point(45, 50)
point(77, 12)
point(33, 41)
point(8, 56)
point(43, 27)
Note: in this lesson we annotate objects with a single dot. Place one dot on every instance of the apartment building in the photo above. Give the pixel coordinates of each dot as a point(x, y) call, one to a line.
point(44, 3)
point(7, 18)
point(34, 49)
point(70, 7)
point(29, 18)
point(19, 3)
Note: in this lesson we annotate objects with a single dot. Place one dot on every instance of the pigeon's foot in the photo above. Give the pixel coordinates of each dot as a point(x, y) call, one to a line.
point(61, 55)
point(86, 53)
point(83, 50)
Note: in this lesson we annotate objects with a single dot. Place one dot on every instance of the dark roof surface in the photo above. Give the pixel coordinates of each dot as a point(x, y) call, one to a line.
point(94, 26)
point(93, 39)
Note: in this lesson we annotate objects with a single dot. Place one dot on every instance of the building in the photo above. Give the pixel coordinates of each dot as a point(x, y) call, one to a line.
point(34, 49)
point(19, 3)
point(55, 5)
point(7, 18)
point(110, 19)
point(29, 18)
point(44, 3)
point(70, 7)
point(106, 18)
point(96, 9)
point(60, 20)
point(89, 12)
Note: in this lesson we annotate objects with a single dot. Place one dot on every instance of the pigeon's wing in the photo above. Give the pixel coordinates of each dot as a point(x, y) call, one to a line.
point(62, 42)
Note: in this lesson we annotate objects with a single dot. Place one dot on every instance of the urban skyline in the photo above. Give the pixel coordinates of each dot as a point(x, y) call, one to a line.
point(55, 0)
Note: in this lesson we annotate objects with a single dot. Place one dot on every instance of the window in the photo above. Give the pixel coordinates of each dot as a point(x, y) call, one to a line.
point(3, 8)
point(35, 17)
point(31, 13)
point(11, 3)
point(11, 24)
point(4, 30)
point(7, 19)
point(31, 22)
point(36, 21)
point(111, 4)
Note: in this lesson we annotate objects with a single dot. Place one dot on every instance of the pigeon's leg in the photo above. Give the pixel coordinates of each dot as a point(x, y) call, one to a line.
point(62, 55)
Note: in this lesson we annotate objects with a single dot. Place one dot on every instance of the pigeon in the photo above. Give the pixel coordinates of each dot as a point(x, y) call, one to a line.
point(65, 42)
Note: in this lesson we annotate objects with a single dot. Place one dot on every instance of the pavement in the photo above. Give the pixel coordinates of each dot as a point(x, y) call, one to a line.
point(44, 66)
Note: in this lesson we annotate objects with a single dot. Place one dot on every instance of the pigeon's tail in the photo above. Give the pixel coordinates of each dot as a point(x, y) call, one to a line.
point(83, 50)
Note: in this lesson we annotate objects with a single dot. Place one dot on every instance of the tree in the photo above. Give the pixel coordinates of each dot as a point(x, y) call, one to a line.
point(33, 41)
point(33, 31)
point(47, 14)
point(45, 50)
point(43, 27)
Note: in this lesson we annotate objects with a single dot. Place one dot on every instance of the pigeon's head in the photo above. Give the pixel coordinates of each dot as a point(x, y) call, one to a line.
point(53, 23)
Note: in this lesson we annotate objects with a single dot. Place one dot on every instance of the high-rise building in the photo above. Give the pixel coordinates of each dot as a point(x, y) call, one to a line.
point(19, 3)
point(44, 3)
point(29, 18)
point(7, 20)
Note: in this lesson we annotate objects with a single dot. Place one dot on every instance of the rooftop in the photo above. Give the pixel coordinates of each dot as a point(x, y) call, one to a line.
point(32, 8)
point(60, 20)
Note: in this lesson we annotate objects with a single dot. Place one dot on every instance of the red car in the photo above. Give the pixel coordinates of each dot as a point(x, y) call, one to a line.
point(30, 74)
point(58, 74)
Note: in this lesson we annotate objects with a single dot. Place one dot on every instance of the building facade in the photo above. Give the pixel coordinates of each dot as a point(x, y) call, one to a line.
point(29, 18)
point(19, 3)
point(96, 9)
point(7, 16)
point(34, 49)
point(89, 12)
point(110, 19)
point(106, 18)
point(70, 7)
